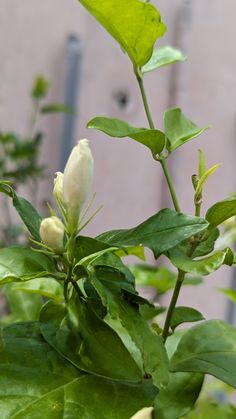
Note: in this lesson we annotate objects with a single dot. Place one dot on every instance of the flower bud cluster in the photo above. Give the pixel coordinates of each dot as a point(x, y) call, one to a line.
point(70, 191)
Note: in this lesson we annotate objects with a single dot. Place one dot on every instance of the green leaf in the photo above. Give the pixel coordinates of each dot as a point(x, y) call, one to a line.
point(221, 211)
point(29, 216)
point(150, 345)
point(151, 138)
point(179, 396)
point(203, 180)
point(46, 287)
point(203, 266)
point(26, 211)
point(207, 245)
point(86, 341)
point(212, 409)
point(163, 56)
point(23, 264)
point(56, 108)
point(179, 129)
point(135, 25)
point(35, 379)
point(160, 278)
point(185, 315)
point(40, 88)
point(201, 164)
point(160, 232)
point(231, 294)
point(22, 307)
point(208, 348)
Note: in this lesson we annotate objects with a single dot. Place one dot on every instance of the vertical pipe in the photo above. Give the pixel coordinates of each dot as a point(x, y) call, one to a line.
point(73, 72)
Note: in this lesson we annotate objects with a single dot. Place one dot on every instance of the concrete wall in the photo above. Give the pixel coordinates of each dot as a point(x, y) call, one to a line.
point(128, 183)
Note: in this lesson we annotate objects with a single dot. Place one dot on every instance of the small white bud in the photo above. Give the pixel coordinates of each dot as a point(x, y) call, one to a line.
point(58, 187)
point(77, 180)
point(52, 233)
point(145, 413)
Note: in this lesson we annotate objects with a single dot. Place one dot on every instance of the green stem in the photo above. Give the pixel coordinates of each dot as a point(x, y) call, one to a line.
point(198, 210)
point(180, 279)
point(163, 162)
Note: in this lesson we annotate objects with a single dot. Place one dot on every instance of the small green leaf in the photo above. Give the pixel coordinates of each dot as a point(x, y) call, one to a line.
point(135, 25)
point(40, 88)
point(185, 315)
point(179, 129)
point(203, 180)
point(22, 264)
point(221, 211)
point(29, 216)
point(201, 164)
point(46, 287)
point(231, 294)
point(151, 138)
point(203, 266)
point(160, 232)
point(163, 56)
point(179, 396)
point(208, 348)
point(207, 245)
point(56, 108)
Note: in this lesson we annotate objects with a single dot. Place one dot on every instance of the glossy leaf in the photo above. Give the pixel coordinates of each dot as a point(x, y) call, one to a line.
point(221, 211)
point(180, 395)
point(208, 348)
point(88, 342)
point(179, 129)
point(151, 138)
point(37, 379)
point(46, 287)
point(163, 56)
point(185, 315)
point(160, 232)
point(23, 264)
point(150, 345)
point(203, 266)
point(135, 25)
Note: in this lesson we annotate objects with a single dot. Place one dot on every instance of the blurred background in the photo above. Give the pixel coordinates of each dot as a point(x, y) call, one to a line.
point(88, 71)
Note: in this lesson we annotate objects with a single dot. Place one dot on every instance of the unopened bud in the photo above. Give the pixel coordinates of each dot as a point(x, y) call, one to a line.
point(145, 413)
point(58, 187)
point(78, 176)
point(52, 233)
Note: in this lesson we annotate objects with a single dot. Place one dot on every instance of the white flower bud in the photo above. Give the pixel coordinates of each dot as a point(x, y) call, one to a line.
point(58, 187)
point(52, 233)
point(78, 175)
point(145, 413)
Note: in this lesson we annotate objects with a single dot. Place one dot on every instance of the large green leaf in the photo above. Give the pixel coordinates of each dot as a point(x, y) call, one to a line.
point(89, 343)
point(160, 232)
point(155, 361)
point(179, 129)
point(203, 266)
point(163, 56)
point(22, 264)
point(35, 380)
point(135, 24)
point(221, 211)
point(151, 138)
point(209, 348)
point(179, 396)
